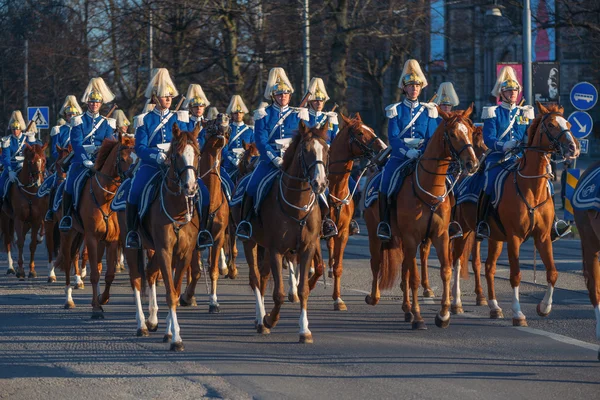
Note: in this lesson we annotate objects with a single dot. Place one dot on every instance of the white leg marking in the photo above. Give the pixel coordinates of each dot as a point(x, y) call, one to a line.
point(493, 304)
point(546, 304)
point(83, 272)
point(223, 263)
point(456, 301)
point(516, 305)
point(168, 323)
point(174, 327)
point(68, 294)
point(304, 323)
point(139, 311)
point(338, 301)
point(293, 290)
point(78, 280)
point(260, 306)
point(212, 299)
point(152, 306)
point(10, 261)
point(51, 273)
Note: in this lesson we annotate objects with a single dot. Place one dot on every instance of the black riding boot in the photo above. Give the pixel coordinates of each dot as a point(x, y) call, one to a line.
point(66, 223)
point(384, 231)
point(483, 207)
point(560, 228)
point(132, 240)
point(50, 213)
point(244, 228)
point(205, 239)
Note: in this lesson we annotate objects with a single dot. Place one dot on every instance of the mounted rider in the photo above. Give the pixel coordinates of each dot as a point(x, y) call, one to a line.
point(276, 121)
point(88, 131)
point(196, 102)
point(411, 124)
point(504, 129)
point(212, 113)
point(240, 133)
point(153, 134)
point(123, 124)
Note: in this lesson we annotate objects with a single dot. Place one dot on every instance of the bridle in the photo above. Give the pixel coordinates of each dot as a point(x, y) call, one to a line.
point(366, 150)
point(178, 172)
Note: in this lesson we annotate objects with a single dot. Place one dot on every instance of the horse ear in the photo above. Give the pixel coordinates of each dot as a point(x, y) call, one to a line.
point(442, 114)
point(245, 145)
point(467, 113)
point(27, 146)
point(44, 147)
point(196, 130)
point(345, 119)
point(357, 116)
point(176, 132)
point(302, 128)
point(541, 107)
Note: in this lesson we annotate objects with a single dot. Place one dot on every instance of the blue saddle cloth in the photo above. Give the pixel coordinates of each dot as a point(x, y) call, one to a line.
point(80, 181)
point(587, 192)
point(119, 203)
point(240, 189)
point(58, 196)
point(469, 188)
point(499, 186)
point(227, 184)
point(47, 186)
point(264, 187)
point(372, 191)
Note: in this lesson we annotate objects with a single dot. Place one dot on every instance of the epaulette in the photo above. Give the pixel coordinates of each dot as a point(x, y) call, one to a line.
point(528, 112)
point(260, 114)
point(54, 131)
point(432, 111)
point(488, 112)
point(75, 121)
point(5, 142)
point(138, 120)
point(302, 113)
point(390, 111)
point(111, 122)
point(183, 116)
point(333, 117)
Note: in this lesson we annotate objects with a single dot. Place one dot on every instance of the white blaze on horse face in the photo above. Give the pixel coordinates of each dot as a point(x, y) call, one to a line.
point(563, 126)
point(379, 141)
point(188, 159)
point(462, 128)
point(320, 176)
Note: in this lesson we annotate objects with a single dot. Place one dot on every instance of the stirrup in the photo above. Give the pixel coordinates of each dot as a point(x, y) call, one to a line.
point(244, 230)
point(66, 223)
point(204, 240)
point(483, 231)
point(455, 230)
point(329, 228)
point(49, 217)
point(132, 240)
point(354, 228)
point(384, 231)
point(560, 231)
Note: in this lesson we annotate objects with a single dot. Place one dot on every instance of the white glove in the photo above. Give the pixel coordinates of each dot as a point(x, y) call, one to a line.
point(511, 144)
point(12, 176)
point(88, 164)
point(277, 161)
point(161, 158)
point(412, 153)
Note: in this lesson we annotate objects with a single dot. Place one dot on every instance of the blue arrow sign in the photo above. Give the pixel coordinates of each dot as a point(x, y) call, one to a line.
point(584, 96)
point(40, 115)
point(581, 124)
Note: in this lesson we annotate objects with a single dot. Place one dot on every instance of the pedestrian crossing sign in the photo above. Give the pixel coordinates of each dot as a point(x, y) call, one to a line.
point(40, 115)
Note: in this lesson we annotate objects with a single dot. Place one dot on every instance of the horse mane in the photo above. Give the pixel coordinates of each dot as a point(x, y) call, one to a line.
point(178, 144)
point(107, 146)
point(535, 124)
point(290, 152)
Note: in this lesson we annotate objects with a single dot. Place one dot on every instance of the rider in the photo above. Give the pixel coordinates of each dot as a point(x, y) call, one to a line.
point(212, 113)
point(276, 121)
point(152, 129)
point(87, 133)
point(240, 132)
point(504, 128)
point(196, 102)
point(123, 124)
point(407, 120)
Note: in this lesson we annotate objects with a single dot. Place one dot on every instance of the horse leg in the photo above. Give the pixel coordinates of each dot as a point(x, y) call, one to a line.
point(338, 269)
point(135, 279)
point(84, 260)
point(95, 253)
point(331, 246)
point(163, 258)
point(411, 264)
point(50, 250)
point(233, 253)
point(375, 261)
point(180, 267)
point(215, 258)
point(494, 250)
point(152, 321)
point(270, 320)
point(35, 229)
point(405, 286)
point(424, 251)
point(65, 257)
point(188, 298)
point(545, 249)
point(8, 234)
point(256, 284)
point(514, 245)
point(77, 271)
point(459, 249)
point(476, 265)
point(442, 247)
point(21, 232)
point(292, 281)
point(223, 269)
point(317, 268)
point(112, 256)
point(305, 259)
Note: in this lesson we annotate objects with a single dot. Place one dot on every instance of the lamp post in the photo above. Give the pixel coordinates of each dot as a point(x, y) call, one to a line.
point(527, 73)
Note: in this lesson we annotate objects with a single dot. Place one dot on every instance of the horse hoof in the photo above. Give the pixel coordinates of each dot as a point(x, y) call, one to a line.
point(224, 272)
point(456, 309)
point(51, 279)
point(212, 309)
point(409, 317)
point(540, 313)
point(293, 298)
point(481, 301)
point(496, 314)
point(440, 323)
point(69, 305)
point(428, 293)
point(103, 302)
point(268, 322)
point(519, 322)
point(32, 275)
point(232, 274)
point(191, 302)
point(79, 286)
point(370, 300)
point(306, 338)
point(11, 271)
point(341, 306)
point(167, 338)
point(330, 274)
point(97, 315)
point(263, 330)
point(419, 325)
point(152, 327)
point(177, 346)
point(142, 333)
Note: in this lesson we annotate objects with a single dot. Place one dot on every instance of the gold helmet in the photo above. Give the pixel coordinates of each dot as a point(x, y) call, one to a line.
point(95, 97)
point(412, 75)
point(510, 84)
point(97, 92)
point(236, 105)
point(277, 83)
point(195, 97)
point(317, 89)
point(161, 85)
point(16, 121)
point(281, 87)
point(507, 80)
point(197, 102)
point(446, 95)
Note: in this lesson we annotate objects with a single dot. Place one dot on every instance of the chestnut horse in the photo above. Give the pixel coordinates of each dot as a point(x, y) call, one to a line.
point(25, 211)
point(217, 135)
point(588, 225)
point(526, 209)
point(422, 212)
point(97, 225)
point(290, 220)
point(354, 142)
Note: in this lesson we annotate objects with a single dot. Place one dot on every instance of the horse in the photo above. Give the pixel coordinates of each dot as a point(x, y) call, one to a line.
point(290, 220)
point(354, 142)
point(169, 231)
point(422, 212)
point(217, 135)
point(98, 226)
point(588, 225)
point(25, 211)
point(526, 209)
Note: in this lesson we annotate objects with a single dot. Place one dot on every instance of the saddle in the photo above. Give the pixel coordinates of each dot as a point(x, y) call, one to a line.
point(264, 187)
point(47, 186)
point(374, 184)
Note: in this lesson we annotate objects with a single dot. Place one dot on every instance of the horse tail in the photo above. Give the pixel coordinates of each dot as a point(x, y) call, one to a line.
point(391, 255)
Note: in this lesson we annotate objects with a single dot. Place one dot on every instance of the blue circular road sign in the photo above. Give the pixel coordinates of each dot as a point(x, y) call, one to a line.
point(581, 124)
point(584, 96)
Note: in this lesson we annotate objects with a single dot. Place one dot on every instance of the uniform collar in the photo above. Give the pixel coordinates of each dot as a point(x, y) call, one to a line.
point(280, 109)
point(238, 124)
point(411, 104)
point(20, 137)
point(508, 106)
point(315, 113)
point(194, 118)
point(92, 116)
point(162, 113)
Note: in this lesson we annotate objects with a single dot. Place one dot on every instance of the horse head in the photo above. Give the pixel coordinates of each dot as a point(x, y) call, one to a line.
point(458, 138)
point(551, 132)
point(115, 157)
point(58, 164)
point(478, 143)
point(183, 158)
point(310, 148)
point(362, 140)
point(217, 131)
point(249, 158)
point(34, 163)
point(127, 154)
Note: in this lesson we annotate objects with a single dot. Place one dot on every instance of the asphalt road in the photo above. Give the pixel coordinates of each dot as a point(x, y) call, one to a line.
point(366, 352)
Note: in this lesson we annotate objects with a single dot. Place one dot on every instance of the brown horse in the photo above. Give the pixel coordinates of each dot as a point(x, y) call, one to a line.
point(98, 226)
point(422, 212)
point(354, 142)
point(290, 220)
point(527, 210)
point(588, 225)
point(217, 135)
point(25, 211)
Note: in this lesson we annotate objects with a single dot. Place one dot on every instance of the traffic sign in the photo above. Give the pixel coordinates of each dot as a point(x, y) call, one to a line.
point(40, 115)
point(581, 124)
point(584, 145)
point(584, 96)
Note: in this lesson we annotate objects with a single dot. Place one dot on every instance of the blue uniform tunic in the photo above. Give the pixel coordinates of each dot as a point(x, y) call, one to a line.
point(283, 122)
point(11, 148)
point(239, 133)
point(61, 136)
point(83, 134)
point(319, 117)
point(400, 115)
point(192, 125)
